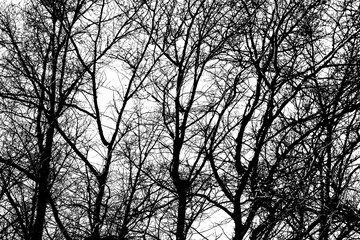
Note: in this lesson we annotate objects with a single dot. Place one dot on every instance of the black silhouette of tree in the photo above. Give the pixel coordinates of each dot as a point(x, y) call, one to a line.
point(189, 36)
point(39, 81)
point(154, 119)
point(260, 136)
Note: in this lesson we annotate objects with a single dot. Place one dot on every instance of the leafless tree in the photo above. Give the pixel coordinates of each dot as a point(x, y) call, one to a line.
point(112, 154)
point(39, 81)
point(189, 36)
point(281, 50)
point(154, 119)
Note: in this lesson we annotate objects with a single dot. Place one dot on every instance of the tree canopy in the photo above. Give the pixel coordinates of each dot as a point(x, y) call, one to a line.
point(192, 119)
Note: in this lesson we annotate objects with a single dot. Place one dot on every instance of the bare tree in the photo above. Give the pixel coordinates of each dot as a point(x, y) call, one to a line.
point(154, 119)
point(113, 152)
point(188, 36)
point(39, 81)
point(279, 50)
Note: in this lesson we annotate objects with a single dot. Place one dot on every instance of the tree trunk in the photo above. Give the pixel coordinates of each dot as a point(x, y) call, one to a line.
point(42, 195)
point(239, 229)
point(180, 228)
